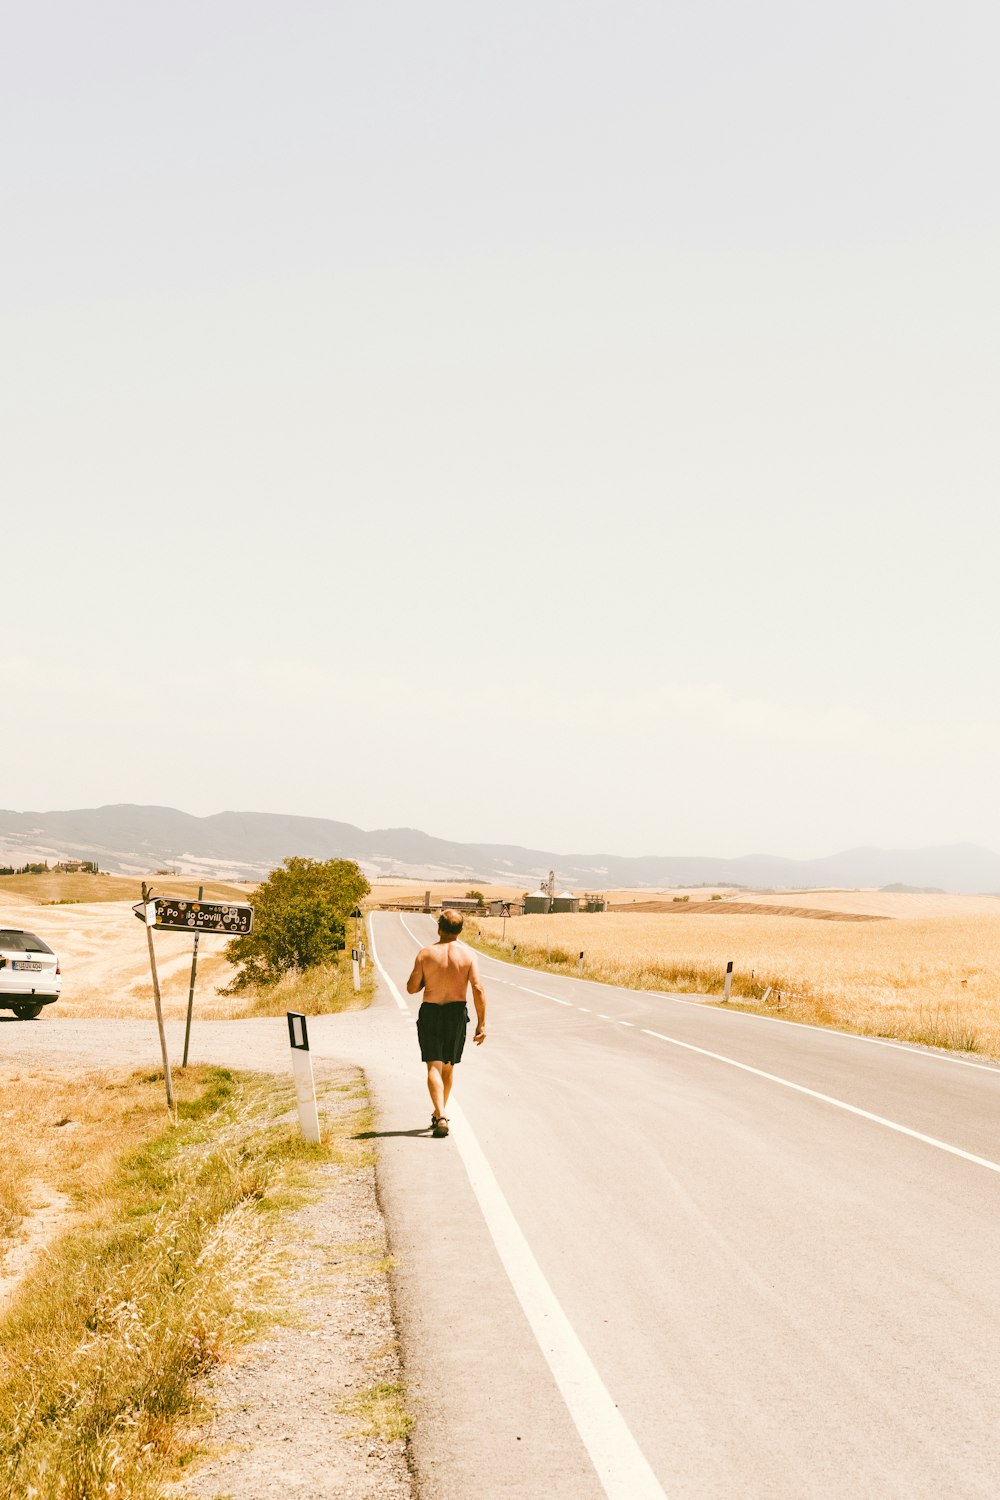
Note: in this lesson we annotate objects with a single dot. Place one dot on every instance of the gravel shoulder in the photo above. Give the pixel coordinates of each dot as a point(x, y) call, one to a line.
point(292, 1416)
point(290, 1420)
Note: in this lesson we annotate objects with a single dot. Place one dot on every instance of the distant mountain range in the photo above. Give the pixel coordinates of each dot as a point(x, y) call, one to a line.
point(129, 839)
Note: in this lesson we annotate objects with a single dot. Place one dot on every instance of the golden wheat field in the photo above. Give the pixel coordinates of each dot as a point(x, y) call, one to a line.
point(932, 977)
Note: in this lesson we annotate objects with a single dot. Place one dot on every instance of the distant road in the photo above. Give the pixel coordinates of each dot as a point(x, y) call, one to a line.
point(776, 1245)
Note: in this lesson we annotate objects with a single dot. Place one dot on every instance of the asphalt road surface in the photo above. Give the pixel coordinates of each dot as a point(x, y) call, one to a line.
point(776, 1246)
point(667, 1249)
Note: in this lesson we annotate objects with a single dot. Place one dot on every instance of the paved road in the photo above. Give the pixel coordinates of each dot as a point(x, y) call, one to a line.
point(782, 1296)
point(746, 1265)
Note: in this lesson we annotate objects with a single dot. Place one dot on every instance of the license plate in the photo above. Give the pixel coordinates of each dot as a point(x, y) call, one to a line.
point(18, 964)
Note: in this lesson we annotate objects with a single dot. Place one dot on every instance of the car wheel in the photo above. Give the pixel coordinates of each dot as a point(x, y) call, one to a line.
point(27, 1012)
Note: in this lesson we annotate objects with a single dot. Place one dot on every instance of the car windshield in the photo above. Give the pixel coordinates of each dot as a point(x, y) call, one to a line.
point(21, 942)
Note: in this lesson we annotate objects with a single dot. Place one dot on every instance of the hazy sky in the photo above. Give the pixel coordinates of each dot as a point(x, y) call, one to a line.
point(573, 424)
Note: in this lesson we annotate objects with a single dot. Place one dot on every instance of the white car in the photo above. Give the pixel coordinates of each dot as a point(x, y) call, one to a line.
point(30, 976)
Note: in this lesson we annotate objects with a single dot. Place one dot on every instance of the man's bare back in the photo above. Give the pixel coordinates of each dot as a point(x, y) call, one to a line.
point(444, 972)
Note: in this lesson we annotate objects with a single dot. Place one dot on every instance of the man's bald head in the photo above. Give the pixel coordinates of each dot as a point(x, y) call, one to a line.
point(450, 922)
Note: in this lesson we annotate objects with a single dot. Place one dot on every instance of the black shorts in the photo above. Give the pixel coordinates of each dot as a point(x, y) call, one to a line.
point(441, 1031)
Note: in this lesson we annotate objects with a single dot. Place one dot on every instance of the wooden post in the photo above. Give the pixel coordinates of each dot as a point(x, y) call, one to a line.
point(194, 970)
point(150, 919)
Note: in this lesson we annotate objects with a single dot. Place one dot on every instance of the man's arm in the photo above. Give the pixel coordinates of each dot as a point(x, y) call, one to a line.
point(415, 983)
point(479, 1000)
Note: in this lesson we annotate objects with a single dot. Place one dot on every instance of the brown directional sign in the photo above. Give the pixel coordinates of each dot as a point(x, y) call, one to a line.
point(174, 914)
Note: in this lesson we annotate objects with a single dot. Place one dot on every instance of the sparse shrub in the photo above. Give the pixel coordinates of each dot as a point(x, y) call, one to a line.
point(300, 919)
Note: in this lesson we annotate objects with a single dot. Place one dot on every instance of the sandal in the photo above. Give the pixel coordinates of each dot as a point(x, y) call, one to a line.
point(441, 1125)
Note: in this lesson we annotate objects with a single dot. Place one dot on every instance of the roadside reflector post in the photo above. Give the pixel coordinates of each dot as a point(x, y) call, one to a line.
point(579, 962)
point(548, 949)
point(364, 954)
point(356, 968)
point(763, 1000)
point(194, 971)
point(729, 983)
point(302, 1072)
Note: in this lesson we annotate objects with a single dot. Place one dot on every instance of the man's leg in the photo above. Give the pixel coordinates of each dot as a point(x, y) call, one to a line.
point(446, 1072)
point(435, 1085)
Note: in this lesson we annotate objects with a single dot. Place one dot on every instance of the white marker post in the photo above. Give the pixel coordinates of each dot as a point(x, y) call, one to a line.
point(729, 982)
point(364, 955)
point(579, 962)
point(356, 968)
point(302, 1072)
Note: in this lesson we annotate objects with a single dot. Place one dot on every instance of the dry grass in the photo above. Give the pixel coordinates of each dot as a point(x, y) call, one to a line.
point(57, 889)
point(382, 1411)
point(172, 1259)
point(932, 979)
point(320, 991)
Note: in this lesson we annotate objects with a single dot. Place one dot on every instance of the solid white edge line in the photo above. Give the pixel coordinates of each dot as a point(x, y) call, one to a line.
point(621, 1466)
point(852, 1109)
point(378, 964)
point(419, 941)
point(715, 1008)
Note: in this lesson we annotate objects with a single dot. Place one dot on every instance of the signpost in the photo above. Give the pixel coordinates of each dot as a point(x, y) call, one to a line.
point(194, 971)
point(180, 914)
point(145, 910)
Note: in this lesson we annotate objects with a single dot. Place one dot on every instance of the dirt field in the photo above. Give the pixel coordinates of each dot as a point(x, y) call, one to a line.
point(105, 961)
point(930, 973)
point(56, 889)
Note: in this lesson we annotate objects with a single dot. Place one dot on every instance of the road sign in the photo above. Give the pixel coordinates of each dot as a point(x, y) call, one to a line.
point(171, 914)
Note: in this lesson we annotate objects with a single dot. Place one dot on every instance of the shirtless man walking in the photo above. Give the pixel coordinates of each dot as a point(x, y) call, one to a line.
point(444, 972)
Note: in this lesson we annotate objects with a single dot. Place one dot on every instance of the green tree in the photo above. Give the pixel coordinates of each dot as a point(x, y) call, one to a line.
point(300, 919)
point(475, 896)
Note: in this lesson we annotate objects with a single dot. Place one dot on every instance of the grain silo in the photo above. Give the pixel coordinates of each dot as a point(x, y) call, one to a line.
point(565, 901)
point(537, 901)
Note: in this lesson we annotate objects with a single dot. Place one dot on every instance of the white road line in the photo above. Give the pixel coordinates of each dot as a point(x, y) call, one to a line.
point(913, 1049)
point(852, 1109)
point(378, 964)
point(626, 1023)
point(584, 1007)
point(620, 1464)
point(541, 995)
point(419, 941)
